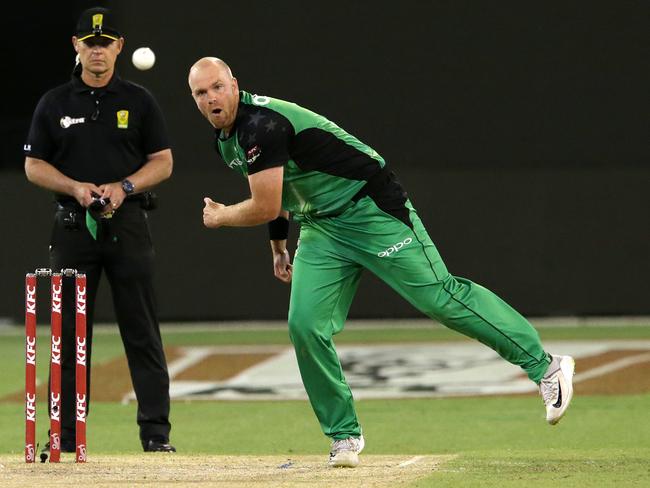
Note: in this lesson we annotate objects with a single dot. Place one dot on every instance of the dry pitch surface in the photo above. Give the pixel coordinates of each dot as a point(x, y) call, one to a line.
point(222, 471)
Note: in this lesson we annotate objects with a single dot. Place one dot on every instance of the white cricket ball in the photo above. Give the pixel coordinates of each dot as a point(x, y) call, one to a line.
point(143, 58)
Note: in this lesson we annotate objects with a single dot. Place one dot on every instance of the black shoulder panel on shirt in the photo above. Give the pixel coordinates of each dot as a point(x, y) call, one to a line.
point(316, 149)
point(264, 135)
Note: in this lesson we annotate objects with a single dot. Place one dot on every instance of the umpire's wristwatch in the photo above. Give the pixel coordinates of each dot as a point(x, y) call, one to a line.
point(128, 186)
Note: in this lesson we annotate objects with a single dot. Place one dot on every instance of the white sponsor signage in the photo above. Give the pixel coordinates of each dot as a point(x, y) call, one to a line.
point(395, 371)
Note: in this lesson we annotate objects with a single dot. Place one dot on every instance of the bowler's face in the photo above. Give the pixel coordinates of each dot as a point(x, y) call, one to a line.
point(216, 94)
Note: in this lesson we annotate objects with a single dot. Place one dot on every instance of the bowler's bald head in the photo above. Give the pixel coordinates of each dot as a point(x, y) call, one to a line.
point(210, 62)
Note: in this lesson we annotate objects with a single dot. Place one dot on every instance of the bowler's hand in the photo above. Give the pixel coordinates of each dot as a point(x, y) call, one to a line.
point(282, 267)
point(211, 213)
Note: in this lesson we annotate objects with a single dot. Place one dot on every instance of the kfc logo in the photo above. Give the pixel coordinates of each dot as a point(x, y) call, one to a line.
point(81, 408)
point(30, 407)
point(31, 300)
point(81, 351)
point(81, 300)
point(56, 349)
point(56, 299)
point(30, 352)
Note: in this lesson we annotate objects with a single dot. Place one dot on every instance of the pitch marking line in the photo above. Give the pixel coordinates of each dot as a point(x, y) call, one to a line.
point(611, 367)
point(410, 461)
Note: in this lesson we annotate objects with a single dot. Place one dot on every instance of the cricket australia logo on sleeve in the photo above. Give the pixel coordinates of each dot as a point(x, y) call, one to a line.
point(123, 119)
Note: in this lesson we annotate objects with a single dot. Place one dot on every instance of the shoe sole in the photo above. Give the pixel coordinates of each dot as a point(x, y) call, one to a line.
point(568, 366)
point(348, 459)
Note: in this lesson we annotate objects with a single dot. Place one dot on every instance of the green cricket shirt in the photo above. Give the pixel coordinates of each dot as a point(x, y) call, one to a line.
point(324, 166)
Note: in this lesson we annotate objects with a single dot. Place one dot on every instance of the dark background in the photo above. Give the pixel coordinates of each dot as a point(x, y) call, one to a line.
point(520, 130)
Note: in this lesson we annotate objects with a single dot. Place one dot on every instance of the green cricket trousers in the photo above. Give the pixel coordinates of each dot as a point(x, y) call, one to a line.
point(330, 258)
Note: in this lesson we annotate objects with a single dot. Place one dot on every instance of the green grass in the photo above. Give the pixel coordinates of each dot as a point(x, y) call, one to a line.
point(499, 441)
point(553, 467)
point(417, 426)
point(435, 333)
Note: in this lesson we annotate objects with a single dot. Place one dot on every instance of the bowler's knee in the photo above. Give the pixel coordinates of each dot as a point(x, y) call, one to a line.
point(304, 333)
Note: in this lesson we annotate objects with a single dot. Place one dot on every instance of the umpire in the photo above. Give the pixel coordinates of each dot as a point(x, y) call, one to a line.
point(99, 143)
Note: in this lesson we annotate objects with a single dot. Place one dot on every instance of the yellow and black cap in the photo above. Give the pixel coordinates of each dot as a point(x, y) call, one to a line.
point(97, 21)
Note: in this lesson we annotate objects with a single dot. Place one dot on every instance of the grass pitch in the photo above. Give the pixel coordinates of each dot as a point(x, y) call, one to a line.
point(222, 471)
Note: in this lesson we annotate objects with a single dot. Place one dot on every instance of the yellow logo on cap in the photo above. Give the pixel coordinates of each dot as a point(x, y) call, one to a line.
point(123, 119)
point(98, 19)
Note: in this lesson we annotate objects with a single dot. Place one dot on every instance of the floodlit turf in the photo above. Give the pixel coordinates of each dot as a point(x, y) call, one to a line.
point(497, 441)
point(557, 467)
point(440, 426)
point(386, 334)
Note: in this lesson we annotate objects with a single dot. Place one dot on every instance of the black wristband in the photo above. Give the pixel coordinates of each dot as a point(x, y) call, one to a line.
point(279, 229)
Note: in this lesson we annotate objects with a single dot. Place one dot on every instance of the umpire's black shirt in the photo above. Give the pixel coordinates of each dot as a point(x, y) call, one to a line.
point(97, 135)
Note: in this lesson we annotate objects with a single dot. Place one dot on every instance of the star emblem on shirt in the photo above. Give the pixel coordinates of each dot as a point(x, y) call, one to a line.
point(270, 125)
point(256, 118)
point(251, 138)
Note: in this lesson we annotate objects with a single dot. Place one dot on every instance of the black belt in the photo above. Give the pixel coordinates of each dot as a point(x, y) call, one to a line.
point(73, 205)
point(65, 200)
point(146, 200)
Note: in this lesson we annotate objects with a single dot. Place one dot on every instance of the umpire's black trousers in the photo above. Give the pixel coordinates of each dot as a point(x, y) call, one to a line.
point(124, 250)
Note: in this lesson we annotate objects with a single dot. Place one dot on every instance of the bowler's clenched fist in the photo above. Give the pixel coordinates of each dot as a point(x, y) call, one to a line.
point(211, 213)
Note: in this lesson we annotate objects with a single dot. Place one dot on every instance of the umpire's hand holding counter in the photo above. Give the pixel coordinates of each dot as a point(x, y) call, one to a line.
point(113, 192)
point(85, 193)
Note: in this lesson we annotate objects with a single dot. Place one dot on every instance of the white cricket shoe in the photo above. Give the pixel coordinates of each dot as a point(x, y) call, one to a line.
point(344, 453)
point(556, 387)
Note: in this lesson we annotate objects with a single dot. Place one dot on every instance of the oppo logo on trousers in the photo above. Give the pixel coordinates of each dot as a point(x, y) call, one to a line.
point(395, 248)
